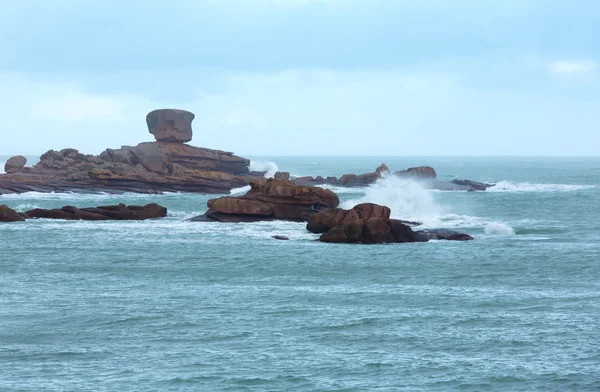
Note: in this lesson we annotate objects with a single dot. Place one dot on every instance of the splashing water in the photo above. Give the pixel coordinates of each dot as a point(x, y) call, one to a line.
point(506, 186)
point(267, 166)
point(498, 228)
point(406, 198)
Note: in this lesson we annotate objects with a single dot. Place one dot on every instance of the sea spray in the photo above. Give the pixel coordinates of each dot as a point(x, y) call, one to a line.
point(407, 199)
point(264, 166)
point(506, 186)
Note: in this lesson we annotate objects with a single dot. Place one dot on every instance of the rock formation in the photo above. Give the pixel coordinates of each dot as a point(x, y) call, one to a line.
point(425, 174)
point(274, 199)
point(7, 214)
point(371, 224)
point(118, 212)
point(170, 125)
point(15, 164)
point(150, 167)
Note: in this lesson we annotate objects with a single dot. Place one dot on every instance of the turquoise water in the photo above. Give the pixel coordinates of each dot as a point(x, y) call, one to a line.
point(172, 305)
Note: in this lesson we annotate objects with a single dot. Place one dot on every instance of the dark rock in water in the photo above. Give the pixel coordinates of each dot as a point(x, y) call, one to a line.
point(280, 238)
point(473, 185)
point(270, 200)
point(7, 214)
point(444, 234)
point(15, 164)
point(118, 212)
point(419, 172)
point(170, 125)
point(372, 231)
point(322, 222)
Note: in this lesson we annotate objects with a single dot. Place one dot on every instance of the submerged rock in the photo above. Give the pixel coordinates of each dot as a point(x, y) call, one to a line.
point(7, 214)
point(444, 234)
point(118, 212)
point(274, 199)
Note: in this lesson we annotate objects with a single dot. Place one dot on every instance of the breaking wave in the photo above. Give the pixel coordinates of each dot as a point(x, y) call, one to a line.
point(506, 186)
point(264, 166)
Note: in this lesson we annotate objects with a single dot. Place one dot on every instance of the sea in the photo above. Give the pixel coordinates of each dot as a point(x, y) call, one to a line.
point(172, 305)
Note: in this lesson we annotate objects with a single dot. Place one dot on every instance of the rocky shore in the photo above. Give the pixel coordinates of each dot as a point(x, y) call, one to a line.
point(169, 164)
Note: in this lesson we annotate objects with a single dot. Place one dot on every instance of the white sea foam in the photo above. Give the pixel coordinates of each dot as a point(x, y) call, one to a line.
point(80, 196)
point(406, 198)
point(506, 186)
point(240, 191)
point(343, 190)
point(267, 166)
point(498, 228)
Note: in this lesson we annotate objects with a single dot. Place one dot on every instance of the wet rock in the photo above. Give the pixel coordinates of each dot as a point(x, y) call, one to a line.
point(371, 231)
point(473, 185)
point(418, 172)
point(444, 234)
point(15, 164)
point(7, 214)
point(327, 220)
point(117, 212)
point(280, 238)
point(270, 200)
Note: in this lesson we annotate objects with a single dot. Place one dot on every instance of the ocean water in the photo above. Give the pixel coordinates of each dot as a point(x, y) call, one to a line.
point(170, 305)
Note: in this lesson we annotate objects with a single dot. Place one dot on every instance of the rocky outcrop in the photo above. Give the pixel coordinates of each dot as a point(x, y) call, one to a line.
point(274, 199)
point(322, 222)
point(149, 167)
point(7, 214)
point(418, 172)
point(473, 185)
point(170, 125)
point(444, 234)
point(371, 231)
point(15, 164)
point(118, 212)
point(426, 175)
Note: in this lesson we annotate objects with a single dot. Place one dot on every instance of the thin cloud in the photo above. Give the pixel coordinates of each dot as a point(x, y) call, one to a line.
point(572, 68)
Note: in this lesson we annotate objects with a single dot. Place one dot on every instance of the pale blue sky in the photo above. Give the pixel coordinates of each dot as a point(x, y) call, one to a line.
point(305, 77)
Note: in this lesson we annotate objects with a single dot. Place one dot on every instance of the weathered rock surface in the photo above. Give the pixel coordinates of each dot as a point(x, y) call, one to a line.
point(170, 125)
point(322, 222)
point(7, 214)
point(474, 185)
point(150, 167)
point(444, 234)
point(15, 164)
point(274, 199)
point(118, 212)
point(371, 231)
point(419, 172)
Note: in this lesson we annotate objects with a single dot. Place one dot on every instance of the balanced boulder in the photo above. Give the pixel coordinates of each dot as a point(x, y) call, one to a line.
point(15, 164)
point(170, 125)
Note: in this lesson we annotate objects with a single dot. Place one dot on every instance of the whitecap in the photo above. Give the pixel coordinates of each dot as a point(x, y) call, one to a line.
point(499, 228)
point(506, 186)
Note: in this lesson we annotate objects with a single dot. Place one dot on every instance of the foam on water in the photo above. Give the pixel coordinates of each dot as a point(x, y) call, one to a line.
point(267, 166)
point(507, 186)
point(240, 191)
point(498, 228)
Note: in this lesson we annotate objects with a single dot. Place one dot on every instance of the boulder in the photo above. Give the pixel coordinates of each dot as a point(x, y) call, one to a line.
point(151, 156)
point(427, 172)
point(322, 222)
point(15, 164)
point(7, 214)
point(170, 125)
point(371, 231)
point(118, 212)
point(273, 199)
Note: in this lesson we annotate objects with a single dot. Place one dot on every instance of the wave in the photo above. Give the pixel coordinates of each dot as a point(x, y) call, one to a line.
point(498, 228)
point(240, 190)
point(340, 190)
point(406, 198)
point(506, 186)
point(264, 166)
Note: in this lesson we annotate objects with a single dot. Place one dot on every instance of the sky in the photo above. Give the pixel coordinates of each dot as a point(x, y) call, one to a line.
point(305, 77)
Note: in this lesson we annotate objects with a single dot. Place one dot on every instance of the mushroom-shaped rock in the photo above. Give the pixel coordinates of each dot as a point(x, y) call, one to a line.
point(170, 125)
point(7, 214)
point(15, 164)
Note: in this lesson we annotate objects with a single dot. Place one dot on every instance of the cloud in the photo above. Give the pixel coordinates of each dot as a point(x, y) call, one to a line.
point(572, 68)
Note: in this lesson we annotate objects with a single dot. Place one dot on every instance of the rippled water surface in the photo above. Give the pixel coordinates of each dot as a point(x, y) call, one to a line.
point(175, 305)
